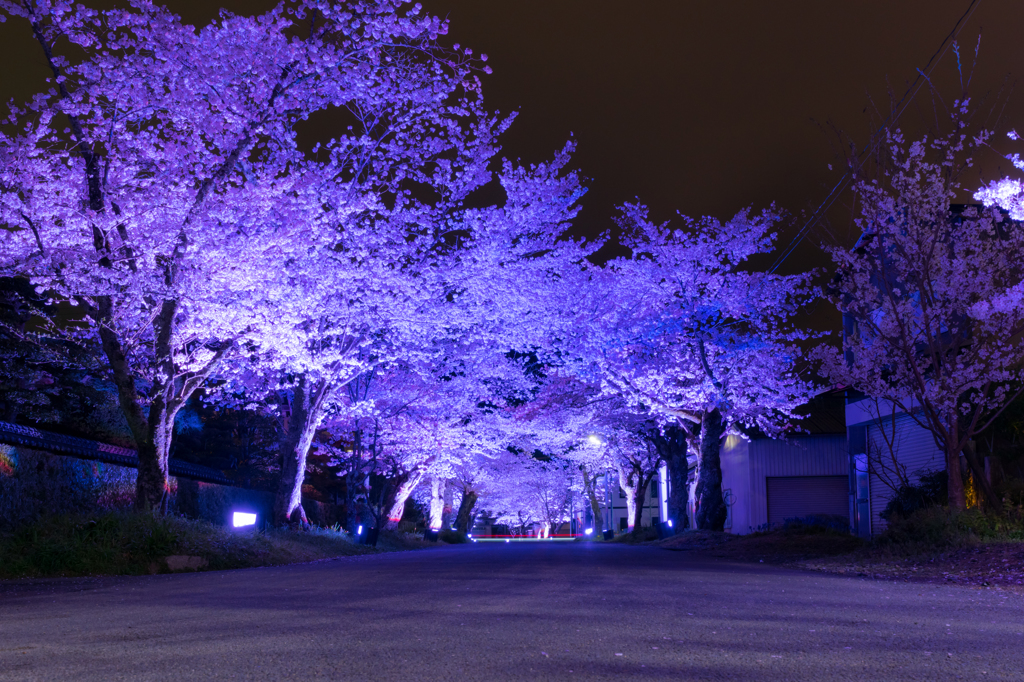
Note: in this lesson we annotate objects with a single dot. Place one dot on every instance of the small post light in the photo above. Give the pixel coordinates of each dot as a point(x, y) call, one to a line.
point(589, 531)
point(670, 523)
point(359, 531)
point(242, 519)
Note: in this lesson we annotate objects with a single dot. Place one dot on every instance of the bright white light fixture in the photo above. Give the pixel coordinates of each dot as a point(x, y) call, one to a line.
point(507, 541)
point(241, 519)
point(469, 535)
point(589, 531)
point(670, 523)
point(359, 531)
point(594, 440)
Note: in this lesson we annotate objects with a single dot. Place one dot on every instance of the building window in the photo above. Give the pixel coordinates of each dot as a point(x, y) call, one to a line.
point(654, 490)
point(622, 523)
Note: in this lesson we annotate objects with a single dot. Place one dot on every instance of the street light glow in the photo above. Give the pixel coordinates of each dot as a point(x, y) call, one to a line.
point(241, 519)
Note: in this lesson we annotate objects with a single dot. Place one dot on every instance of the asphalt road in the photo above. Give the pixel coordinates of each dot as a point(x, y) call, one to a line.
point(554, 611)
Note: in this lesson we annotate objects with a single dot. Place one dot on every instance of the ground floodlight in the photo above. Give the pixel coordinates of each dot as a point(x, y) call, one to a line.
point(469, 535)
point(242, 519)
point(507, 540)
point(589, 531)
point(670, 523)
point(359, 531)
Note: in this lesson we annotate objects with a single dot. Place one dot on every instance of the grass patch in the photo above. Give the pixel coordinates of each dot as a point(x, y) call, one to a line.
point(792, 542)
point(939, 528)
point(637, 536)
point(128, 543)
point(932, 544)
point(453, 537)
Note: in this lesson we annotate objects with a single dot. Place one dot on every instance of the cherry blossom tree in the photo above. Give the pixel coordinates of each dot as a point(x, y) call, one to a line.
point(160, 186)
point(1006, 193)
point(691, 338)
point(932, 298)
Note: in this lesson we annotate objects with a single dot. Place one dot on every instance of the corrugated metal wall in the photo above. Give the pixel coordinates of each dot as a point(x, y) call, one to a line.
point(792, 497)
point(824, 455)
point(916, 450)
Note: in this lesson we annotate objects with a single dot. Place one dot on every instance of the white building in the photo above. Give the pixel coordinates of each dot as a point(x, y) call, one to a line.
point(766, 481)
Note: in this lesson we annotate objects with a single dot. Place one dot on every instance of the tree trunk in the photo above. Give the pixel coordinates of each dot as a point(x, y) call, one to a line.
point(469, 498)
point(302, 425)
point(152, 479)
point(628, 487)
point(590, 485)
point(640, 497)
point(711, 510)
point(153, 431)
point(436, 503)
point(992, 500)
point(401, 495)
point(151, 485)
point(449, 504)
point(673, 448)
point(955, 481)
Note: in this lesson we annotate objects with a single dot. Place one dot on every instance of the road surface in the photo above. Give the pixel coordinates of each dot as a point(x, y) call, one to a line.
point(537, 611)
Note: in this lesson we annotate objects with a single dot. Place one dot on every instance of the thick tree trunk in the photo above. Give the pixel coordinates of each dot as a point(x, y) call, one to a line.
point(977, 466)
point(436, 503)
point(628, 486)
point(639, 497)
point(449, 504)
point(955, 481)
point(711, 510)
point(401, 495)
point(590, 485)
point(673, 448)
point(469, 498)
point(303, 422)
point(151, 486)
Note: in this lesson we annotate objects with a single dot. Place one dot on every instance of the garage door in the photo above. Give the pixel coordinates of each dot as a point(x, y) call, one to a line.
point(795, 496)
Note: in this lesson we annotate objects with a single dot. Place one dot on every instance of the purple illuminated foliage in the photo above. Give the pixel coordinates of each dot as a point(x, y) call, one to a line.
point(159, 186)
point(932, 295)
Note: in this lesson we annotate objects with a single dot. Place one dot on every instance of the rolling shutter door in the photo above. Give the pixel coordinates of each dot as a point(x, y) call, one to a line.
point(795, 496)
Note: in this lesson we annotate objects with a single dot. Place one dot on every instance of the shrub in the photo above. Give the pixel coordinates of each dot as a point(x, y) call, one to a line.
point(453, 537)
point(132, 543)
point(941, 527)
point(640, 534)
point(930, 491)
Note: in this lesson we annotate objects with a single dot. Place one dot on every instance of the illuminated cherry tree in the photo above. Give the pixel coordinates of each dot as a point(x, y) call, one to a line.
point(1006, 193)
point(159, 184)
point(932, 298)
point(691, 338)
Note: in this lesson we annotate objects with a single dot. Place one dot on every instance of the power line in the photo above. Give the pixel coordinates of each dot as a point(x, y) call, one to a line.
point(922, 76)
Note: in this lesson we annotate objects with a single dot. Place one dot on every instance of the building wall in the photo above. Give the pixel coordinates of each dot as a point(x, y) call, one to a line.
point(915, 451)
point(651, 513)
point(736, 481)
point(747, 463)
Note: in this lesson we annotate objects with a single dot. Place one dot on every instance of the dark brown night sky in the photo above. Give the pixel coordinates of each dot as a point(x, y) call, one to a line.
point(702, 107)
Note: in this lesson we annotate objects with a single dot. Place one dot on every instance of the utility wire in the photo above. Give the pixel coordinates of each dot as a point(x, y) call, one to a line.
point(922, 76)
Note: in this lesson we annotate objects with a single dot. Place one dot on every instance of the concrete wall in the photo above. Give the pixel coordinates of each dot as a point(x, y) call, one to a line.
point(35, 483)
